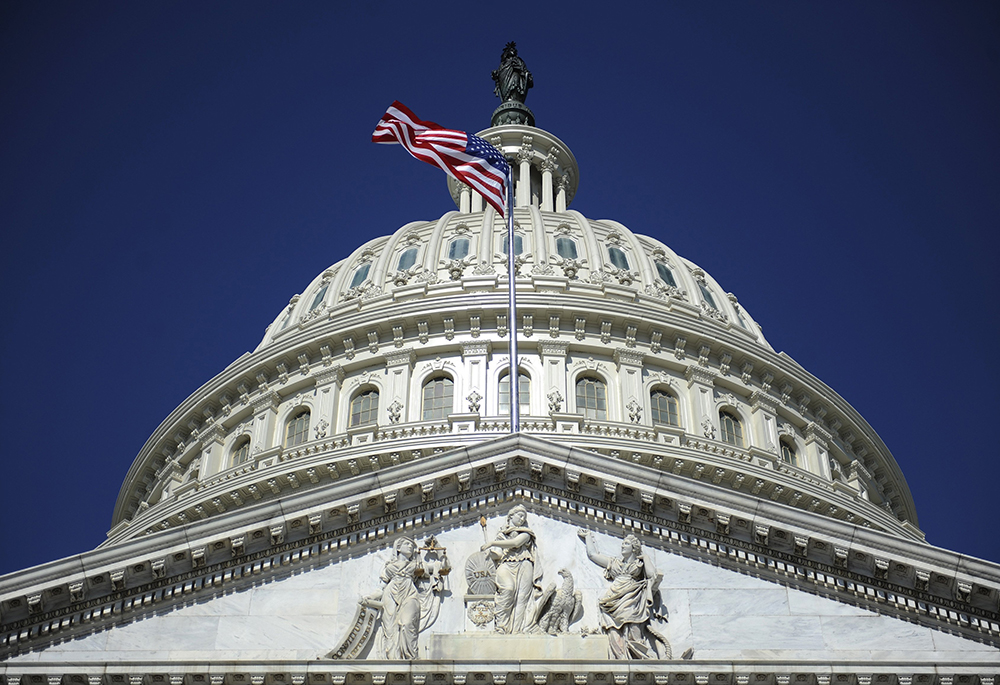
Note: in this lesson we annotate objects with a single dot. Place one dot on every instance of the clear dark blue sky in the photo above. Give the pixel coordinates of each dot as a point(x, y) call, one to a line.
point(171, 173)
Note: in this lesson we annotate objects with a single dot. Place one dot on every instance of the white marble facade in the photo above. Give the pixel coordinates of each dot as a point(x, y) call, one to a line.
point(717, 613)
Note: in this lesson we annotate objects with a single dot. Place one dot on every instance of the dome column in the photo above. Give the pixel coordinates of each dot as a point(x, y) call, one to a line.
point(817, 450)
point(328, 384)
point(561, 194)
point(553, 380)
point(465, 199)
point(629, 362)
point(399, 367)
point(265, 410)
point(474, 355)
point(212, 457)
point(763, 408)
point(701, 386)
point(547, 166)
point(524, 155)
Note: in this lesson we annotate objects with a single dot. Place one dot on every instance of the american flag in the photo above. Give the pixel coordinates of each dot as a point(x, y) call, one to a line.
point(466, 157)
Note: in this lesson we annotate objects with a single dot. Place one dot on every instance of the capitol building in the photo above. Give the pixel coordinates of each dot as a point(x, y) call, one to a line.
point(348, 505)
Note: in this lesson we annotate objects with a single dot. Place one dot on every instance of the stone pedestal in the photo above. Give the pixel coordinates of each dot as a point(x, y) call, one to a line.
point(488, 647)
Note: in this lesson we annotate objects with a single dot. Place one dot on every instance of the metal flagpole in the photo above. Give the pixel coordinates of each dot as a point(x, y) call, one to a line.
point(512, 375)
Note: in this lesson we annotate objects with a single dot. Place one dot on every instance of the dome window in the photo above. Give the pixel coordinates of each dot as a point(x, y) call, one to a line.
point(618, 258)
point(523, 393)
point(364, 407)
point(566, 248)
point(663, 407)
point(241, 451)
point(438, 398)
point(707, 296)
point(732, 429)
point(318, 300)
point(518, 244)
point(360, 275)
point(665, 274)
point(592, 398)
point(407, 259)
point(458, 248)
point(297, 430)
point(788, 452)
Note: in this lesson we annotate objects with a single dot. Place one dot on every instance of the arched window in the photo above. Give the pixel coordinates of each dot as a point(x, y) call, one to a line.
point(618, 258)
point(518, 244)
point(707, 296)
point(297, 430)
point(320, 294)
point(592, 398)
point(458, 248)
point(740, 319)
point(666, 275)
point(364, 407)
point(438, 398)
point(663, 406)
point(566, 248)
point(407, 259)
point(788, 452)
point(523, 393)
point(241, 450)
point(360, 275)
point(732, 429)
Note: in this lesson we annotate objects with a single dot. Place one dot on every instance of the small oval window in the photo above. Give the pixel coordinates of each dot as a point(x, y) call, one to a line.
point(518, 244)
point(407, 259)
point(360, 275)
point(566, 248)
point(665, 274)
point(618, 258)
point(319, 297)
point(707, 296)
point(458, 248)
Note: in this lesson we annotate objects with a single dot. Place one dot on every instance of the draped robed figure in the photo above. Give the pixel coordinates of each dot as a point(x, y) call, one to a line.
point(518, 575)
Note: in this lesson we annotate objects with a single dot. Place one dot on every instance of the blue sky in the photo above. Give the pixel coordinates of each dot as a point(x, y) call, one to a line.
point(171, 173)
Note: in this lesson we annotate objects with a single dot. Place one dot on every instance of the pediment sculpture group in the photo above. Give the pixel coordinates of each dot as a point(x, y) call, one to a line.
point(505, 589)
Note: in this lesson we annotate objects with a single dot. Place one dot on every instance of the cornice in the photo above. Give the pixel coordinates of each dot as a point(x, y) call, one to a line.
point(337, 455)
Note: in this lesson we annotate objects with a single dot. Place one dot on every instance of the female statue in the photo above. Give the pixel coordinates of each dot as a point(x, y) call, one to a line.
point(630, 602)
point(405, 610)
point(518, 575)
point(512, 77)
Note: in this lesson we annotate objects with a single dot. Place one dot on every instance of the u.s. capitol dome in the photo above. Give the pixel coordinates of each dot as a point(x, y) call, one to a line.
point(626, 349)
point(284, 495)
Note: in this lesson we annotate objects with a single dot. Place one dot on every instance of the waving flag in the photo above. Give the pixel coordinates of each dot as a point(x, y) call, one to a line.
point(466, 157)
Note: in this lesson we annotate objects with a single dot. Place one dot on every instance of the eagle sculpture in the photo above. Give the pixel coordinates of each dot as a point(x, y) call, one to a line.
point(556, 609)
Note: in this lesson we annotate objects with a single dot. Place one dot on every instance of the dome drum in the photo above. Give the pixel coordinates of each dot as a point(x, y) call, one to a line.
point(324, 371)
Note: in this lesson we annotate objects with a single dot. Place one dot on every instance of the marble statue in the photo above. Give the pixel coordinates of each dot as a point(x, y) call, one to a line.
point(630, 604)
point(410, 600)
point(557, 608)
point(518, 572)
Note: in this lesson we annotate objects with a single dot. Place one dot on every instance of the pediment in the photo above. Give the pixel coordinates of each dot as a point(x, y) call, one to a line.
point(743, 580)
point(302, 611)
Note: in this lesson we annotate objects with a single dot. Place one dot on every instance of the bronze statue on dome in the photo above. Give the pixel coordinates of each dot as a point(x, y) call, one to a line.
point(512, 77)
